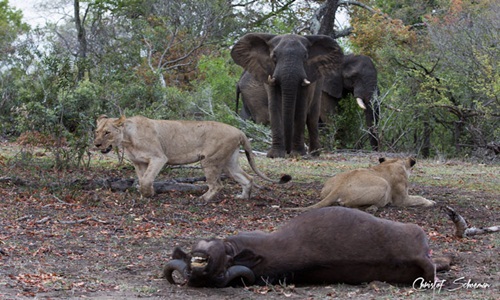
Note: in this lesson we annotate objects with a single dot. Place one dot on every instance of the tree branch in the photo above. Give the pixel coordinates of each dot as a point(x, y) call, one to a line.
point(272, 14)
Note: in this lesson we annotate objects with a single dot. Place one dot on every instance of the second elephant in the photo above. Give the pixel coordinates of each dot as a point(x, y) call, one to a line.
point(358, 76)
point(288, 67)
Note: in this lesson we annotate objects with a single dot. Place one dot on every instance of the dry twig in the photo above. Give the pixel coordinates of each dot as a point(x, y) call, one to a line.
point(462, 229)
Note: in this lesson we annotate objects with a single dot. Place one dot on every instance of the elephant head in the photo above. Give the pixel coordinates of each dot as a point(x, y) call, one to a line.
point(289, 65)
point(358, 77)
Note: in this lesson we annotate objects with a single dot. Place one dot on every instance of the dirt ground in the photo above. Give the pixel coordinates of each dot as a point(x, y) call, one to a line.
point(60, 241)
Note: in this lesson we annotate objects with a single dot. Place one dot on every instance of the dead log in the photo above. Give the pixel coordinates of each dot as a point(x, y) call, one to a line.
point(165, 187)
point(121, 185)
point(462, 229)
point(118, 184)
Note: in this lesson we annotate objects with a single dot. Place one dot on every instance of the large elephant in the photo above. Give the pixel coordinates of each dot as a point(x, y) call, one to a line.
point(289, 67)
point(357, 76)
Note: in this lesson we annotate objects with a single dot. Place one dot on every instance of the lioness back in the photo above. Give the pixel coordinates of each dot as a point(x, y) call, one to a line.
point(184, 141)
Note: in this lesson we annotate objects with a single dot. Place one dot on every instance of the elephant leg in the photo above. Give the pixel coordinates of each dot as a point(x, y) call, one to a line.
point(275, 115)
point(299, 123)
point(313, 121)
point(371, 117)
point(313, 129)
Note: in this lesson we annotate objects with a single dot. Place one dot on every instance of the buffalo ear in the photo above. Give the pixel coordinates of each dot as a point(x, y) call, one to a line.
point(381, 160)
point(179, 254)
point(247, 258)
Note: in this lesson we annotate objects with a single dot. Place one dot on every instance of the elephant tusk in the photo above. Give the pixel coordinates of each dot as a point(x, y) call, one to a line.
point(306, 82)
point(360, 103)
point(271, 80)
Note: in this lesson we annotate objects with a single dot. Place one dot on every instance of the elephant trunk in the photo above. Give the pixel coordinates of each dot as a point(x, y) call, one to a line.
point(289, 96)
point(292, 79)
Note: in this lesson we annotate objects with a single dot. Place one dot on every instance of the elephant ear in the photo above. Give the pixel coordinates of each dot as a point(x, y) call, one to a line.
point(333, 84)
point(325, 56)
point(252, 52)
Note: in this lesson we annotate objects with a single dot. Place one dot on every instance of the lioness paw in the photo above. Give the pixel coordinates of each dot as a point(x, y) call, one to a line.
point(430, 203)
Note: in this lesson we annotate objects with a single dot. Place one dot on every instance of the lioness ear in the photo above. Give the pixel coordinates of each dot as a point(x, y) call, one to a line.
point(412, 161)
point(101, 117)
point(381, 160)
point(120, 121)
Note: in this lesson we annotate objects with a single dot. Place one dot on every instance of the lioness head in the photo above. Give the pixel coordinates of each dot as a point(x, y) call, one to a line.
point(406, 163)
point(109, 133)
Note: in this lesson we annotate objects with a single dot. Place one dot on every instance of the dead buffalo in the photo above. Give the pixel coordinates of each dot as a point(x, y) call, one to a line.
point(326, 245)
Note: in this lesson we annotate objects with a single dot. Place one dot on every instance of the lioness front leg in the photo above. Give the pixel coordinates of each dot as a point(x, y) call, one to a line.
point(146, 181)
point(140, 169)
point(419, 201)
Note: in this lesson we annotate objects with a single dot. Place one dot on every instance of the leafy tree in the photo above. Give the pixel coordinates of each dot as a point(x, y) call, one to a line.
point(11, 27)
point(442, 75)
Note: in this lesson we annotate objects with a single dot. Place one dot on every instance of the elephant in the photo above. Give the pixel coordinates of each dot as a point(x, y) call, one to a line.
point(289, 67)
point(254, 98)
point(358, 76)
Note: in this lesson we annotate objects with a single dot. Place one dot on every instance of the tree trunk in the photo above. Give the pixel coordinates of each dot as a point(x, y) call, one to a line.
point(82, 41)
point(426, 146)
point(328, 20)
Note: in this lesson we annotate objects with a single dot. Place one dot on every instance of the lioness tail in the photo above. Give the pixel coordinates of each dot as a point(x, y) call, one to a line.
point(245, 143)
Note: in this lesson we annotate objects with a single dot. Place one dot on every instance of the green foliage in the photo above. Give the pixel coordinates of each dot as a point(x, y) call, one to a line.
point(346, 129)
point(170, 60)
point(221, 74)
point(11, 26)
point(218, 88)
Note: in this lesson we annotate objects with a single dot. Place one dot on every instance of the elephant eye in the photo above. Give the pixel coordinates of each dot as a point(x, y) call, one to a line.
point(273, 57)
point(106, 132)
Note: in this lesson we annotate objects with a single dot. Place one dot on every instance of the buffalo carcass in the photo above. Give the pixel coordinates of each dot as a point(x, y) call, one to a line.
point(326, 245)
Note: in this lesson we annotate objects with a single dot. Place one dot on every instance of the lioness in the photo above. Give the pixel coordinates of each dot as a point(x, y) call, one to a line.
point(150, 144)
point(380, 185)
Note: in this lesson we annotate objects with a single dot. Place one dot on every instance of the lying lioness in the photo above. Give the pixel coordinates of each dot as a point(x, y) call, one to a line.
point(150, 144)
point(380, 185)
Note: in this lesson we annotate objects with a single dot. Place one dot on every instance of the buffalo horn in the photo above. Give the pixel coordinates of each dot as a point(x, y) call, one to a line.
point(240, 271)
point(174, 265)
point(360, 103)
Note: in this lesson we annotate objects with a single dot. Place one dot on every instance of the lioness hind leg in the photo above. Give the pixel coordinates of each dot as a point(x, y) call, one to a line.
point(240, 176)
point(212, 173)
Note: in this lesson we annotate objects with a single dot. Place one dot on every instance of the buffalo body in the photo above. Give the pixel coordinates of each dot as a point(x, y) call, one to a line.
point(326, 245)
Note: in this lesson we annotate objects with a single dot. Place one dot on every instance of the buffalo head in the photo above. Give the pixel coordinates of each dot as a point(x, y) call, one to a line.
point(207, 265)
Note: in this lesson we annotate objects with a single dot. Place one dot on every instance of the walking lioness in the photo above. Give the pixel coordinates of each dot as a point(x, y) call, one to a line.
point(150, 144)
